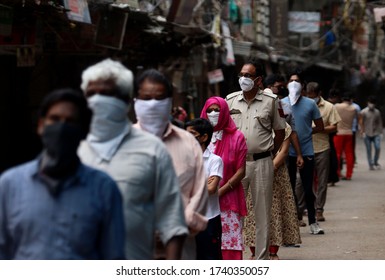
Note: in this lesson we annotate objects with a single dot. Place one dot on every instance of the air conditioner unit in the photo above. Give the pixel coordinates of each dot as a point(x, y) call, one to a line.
point(242, 47)
point(309, 41)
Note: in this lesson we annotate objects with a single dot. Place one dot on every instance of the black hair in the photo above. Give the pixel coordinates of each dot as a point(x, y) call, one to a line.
point(372, 99)
point(334, 92)
point(347, 96)
point(274, 78)
point(68, 95)
point(299, 72)
point(258, 65)
point(202, 126)
point(280, 78)
point(154, 76)
point(270, 80)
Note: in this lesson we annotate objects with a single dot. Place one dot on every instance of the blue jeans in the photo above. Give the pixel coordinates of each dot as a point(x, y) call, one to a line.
point(376, 141)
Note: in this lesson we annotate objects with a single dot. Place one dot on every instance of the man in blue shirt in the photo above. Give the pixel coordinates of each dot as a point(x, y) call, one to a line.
point(54, 207)
point(304, 112)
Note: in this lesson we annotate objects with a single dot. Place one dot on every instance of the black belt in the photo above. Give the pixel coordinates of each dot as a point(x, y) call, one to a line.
point(257, 156)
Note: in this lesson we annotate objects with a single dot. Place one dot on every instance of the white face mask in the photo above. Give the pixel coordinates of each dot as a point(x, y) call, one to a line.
point(153, 115)
point(246, 84)
point(294, 91)
point(109, 117)
point(213, 118)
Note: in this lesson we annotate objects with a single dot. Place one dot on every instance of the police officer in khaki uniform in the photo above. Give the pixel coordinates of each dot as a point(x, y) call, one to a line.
point(256, 113)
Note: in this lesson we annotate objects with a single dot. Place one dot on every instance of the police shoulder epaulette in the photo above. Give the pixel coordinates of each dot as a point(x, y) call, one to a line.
point(232, 95)
point(268, 92)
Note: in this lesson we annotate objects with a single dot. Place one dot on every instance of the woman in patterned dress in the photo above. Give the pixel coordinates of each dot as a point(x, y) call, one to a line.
point(230, 144)
point(284, 228)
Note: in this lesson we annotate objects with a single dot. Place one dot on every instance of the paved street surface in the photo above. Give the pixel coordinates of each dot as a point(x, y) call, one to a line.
point(355, 218)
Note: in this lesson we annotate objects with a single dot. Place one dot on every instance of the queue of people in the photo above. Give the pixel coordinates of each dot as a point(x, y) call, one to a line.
point(201, 189)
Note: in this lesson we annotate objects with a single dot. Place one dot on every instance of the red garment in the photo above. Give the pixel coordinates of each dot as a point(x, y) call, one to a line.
point(232, 149)
point(344, 144)
point(273, 249)
point(232, 255)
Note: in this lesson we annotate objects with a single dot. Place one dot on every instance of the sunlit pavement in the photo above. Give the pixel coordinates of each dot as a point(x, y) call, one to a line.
point(355, 218)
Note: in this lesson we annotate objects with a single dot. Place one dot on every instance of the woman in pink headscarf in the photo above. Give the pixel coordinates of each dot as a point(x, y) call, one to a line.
point(229, 143)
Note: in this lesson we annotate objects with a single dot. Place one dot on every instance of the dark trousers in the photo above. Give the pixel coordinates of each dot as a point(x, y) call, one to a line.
point(306, 174)
point(209, 241)
point(333, 166)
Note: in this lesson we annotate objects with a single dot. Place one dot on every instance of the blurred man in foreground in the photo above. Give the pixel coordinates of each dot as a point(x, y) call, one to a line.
point(55, 207)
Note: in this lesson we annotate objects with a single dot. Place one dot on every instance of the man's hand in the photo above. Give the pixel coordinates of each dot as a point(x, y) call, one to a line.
point(300, 162)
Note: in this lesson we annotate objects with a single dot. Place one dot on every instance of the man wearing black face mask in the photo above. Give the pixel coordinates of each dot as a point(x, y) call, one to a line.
point(277, 85)
point(54, 207)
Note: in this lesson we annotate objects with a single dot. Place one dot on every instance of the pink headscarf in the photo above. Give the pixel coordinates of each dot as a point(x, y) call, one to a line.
point(232, 149)
point(225, 123)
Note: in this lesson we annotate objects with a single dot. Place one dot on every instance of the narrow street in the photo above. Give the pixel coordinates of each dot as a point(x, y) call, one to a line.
point(355, 218)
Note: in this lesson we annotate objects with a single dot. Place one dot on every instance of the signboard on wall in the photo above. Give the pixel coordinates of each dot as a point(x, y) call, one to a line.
point(131, 3)
point(278, 16)
point(304, 22)
point(78, 10)
point(378, 14)
point(215, 76)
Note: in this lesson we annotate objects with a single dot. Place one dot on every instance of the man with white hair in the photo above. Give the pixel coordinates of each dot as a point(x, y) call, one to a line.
point(136, 160)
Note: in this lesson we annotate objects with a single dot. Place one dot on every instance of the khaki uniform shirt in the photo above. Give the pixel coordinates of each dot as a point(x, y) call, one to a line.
point(256, 119)
point(329, 116)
